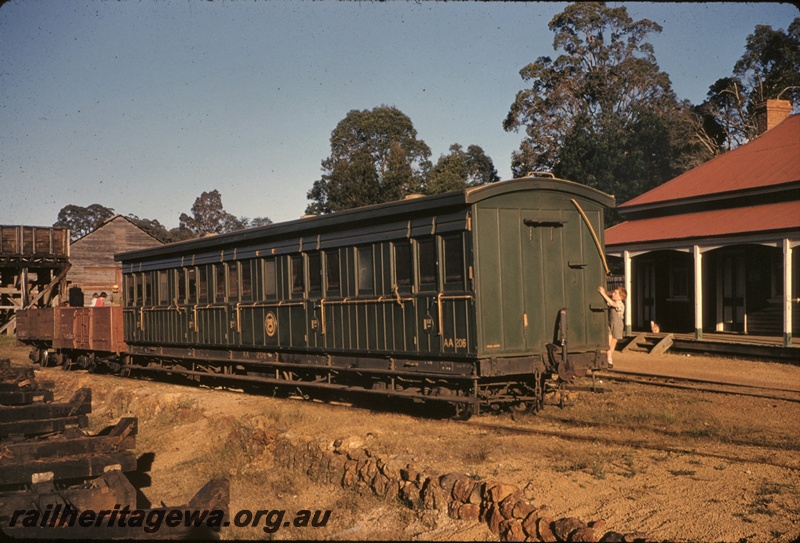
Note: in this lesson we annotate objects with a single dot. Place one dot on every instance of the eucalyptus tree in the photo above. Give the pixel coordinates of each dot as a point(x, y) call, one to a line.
point(460, 169)
point(375, 157)
point(768, 69)
point(601, 113)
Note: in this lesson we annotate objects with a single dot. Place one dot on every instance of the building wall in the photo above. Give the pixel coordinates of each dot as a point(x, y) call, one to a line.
point(92, 256)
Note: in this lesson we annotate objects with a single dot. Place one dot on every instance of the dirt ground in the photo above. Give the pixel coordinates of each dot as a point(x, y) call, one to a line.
point(732, 472)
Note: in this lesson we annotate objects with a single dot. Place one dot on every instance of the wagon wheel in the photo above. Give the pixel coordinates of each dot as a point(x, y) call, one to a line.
point(463, 410)
point(524, 409)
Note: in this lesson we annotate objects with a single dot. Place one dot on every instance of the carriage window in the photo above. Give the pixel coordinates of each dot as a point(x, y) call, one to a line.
point(191, 277)
point(163, 287)
point(148, 288)
point(270, 285)
point(219, 279)
point(332, 271)
point(298, 281)
point(247, 280)
point(139, 296)
point(403, 265)
point(180, 284)
point(426, 253)
point(366, 283)
point(202, 285)
point(314, 274)
point(129, 283)
point(453, 259)
point(233, 281)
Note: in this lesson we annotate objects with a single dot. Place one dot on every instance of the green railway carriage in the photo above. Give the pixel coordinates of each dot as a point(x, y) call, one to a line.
point(473, 298)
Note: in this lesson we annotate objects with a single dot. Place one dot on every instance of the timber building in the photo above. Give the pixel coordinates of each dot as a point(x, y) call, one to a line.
point(92, 256)
point(715, 249)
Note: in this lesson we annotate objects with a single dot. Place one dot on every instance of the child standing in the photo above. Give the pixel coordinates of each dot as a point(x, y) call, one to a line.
point(616, 304)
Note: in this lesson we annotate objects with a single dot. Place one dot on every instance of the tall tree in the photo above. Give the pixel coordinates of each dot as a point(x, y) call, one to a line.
point(602, 112)
point(375, 157)
point(459, 169)
point(209, 217)
point(82, 220)
point(768, 69)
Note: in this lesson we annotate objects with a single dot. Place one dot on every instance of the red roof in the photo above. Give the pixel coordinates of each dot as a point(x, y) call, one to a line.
point(771, 159)
point(704, 224)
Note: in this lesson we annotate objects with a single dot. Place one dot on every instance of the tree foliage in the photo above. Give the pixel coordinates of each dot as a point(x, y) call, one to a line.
point(375, 157)
point(209, 217)
point(602, 112)
point(459, 169)
point(82, 220)
point(768, 69)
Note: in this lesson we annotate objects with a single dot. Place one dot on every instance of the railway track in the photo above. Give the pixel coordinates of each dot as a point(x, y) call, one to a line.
point(701, 385)
point(761, 456)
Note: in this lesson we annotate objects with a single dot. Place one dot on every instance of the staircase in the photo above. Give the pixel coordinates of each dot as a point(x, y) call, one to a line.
point(649, 343)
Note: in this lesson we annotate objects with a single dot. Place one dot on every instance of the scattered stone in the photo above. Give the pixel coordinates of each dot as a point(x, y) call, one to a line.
point(562, 528)
point(462, 489)
point(583, 535)
point(612, 537)
point(511, 530)
point(469, 512)
point(544, 530)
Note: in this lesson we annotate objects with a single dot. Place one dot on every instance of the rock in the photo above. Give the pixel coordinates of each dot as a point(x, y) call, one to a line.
point(434, 497)
point(500, 491)
point(599, 526)
point(562, 528)
point(476, 496)
point(462, 489)
point(511, 530)
point(507, 506)
point(583, 535)
point(446, 482)
point(529, 524)
point(612, 537)
point(494, 518)
point(544, 529)
point(522, 509)
point(469, 512)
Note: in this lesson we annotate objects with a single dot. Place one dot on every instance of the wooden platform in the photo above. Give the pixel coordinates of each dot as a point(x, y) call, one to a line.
point(743, 345)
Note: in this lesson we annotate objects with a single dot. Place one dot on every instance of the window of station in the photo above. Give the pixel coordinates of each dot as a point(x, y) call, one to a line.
point(233, 281)
point(453, 260)
point(247, 280)
point(426, 255)
point(314, 274)
point(298, 277)
point(403, 266)
point(163, 287)
point(366, 276)
point(270, 282)
point(219, 282)
point(332, 273)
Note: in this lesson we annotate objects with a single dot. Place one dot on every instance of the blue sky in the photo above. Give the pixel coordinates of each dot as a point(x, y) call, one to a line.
point(142, 105)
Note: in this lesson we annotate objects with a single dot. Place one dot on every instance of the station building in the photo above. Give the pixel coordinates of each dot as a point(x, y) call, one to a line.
point(716, 248)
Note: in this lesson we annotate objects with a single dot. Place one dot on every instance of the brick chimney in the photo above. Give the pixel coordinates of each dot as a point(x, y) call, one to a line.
point(771, 113)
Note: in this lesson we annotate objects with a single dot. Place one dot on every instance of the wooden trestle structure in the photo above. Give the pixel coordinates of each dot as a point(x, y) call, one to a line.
point(34, 262)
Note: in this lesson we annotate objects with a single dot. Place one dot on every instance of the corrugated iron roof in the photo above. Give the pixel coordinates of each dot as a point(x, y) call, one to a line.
point(771, 159)
point(705, 224)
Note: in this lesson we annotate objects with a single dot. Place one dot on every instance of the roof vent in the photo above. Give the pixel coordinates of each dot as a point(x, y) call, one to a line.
point(542, 174)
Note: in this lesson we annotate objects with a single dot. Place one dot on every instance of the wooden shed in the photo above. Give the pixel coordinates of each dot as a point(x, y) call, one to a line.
point(92, 256)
